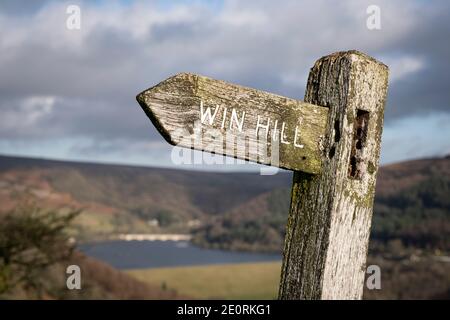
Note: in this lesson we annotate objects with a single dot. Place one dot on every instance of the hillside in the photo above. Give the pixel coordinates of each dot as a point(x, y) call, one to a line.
point(228, 210)
point(412, 209)
point(410, 237)
point(100, 281)
point(121, 199)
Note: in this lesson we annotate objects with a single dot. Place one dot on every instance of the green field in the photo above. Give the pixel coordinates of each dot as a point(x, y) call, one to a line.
point(227, 281)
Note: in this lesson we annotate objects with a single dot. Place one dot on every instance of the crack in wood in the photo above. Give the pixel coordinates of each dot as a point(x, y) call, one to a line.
point(360, 129)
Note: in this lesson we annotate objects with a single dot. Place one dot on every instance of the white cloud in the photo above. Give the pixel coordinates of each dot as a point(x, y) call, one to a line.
point(404, 66)
point(26, 112)
point(34, 108)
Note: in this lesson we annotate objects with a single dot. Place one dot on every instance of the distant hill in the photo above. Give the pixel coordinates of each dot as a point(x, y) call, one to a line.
point(412, 206)
point(119, 199)
point(227, 210)
point(410, 237)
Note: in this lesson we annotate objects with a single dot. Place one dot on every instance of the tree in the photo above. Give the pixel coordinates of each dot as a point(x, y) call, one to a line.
point(31, 240)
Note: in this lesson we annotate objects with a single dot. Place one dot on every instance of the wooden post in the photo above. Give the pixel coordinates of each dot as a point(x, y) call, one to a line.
point(333, 148)
point(330, 214)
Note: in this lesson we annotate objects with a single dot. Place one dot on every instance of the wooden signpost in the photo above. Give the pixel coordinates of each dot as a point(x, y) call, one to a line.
point(236, 121)
point(331, 142)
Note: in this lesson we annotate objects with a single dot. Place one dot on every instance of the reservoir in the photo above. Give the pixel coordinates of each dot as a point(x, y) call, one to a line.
point(158, 254)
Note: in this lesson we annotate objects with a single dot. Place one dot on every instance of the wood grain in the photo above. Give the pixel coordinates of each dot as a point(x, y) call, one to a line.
point(293, 140)
point(330, 215)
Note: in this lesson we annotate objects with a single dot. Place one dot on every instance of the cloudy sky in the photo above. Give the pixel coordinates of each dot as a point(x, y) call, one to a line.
point(70, 94)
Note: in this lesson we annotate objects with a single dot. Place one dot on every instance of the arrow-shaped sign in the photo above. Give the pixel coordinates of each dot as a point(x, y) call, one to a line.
point(330, 213)
point(210, 115)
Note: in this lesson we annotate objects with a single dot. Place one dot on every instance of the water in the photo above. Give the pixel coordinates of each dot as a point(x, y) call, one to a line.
point(155, 254)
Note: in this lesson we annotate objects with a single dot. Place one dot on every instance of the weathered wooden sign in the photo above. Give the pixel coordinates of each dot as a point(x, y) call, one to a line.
point(211, 115)
point(331, 141)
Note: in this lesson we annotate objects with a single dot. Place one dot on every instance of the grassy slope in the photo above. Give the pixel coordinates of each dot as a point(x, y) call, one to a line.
point(229, 281)
point(408, 279)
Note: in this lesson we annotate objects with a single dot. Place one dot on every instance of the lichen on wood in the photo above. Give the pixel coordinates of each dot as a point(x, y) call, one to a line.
point(175, 108)
point(330, 214)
